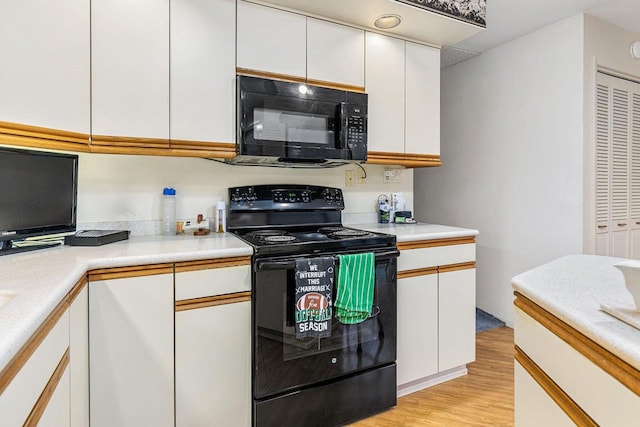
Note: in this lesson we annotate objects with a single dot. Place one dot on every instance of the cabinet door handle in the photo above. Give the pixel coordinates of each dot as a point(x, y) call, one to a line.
point(622, 224)
point(602, 227)
point(637, 222)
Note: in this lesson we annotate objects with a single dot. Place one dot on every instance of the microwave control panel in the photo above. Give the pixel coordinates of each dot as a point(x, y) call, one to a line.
point(356, 131)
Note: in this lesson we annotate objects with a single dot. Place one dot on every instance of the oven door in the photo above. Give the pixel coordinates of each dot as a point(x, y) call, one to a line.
point(283, 363)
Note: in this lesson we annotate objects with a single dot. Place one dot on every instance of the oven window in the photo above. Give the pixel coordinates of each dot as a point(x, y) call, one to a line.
point(275, 318)
point(285, 126)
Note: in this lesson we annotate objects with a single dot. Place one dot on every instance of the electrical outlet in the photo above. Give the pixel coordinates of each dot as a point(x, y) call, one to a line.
point(350, 178)
point(391, 176)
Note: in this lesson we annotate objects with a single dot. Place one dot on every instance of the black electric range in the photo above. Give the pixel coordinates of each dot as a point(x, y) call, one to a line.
point(346, 373)
point(296, 219)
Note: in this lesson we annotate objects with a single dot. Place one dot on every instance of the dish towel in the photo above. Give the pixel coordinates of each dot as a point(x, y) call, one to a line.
point(355, 286)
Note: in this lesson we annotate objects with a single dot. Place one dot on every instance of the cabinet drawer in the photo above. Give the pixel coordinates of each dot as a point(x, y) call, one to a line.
point(533, 406)
point(577, 376)
point(212, 281)
point(411, 259)
point(17, 401)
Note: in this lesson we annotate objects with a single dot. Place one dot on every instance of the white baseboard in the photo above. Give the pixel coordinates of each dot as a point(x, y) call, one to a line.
point(432, 380)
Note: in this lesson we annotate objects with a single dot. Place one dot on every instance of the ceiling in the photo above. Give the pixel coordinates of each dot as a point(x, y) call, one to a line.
point(510, 19)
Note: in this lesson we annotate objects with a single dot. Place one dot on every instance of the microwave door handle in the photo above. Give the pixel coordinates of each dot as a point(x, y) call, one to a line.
point(344, 122)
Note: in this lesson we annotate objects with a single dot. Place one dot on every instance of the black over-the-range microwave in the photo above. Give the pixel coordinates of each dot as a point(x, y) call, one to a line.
point(295, 124)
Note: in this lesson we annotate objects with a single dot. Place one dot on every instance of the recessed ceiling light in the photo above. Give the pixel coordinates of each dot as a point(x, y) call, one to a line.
point(635, 50)
point(386, 22)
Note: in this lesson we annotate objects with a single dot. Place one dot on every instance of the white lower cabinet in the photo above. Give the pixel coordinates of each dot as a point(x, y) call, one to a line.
point(417, 327)
point(533, 406)
point(57, 412)
point(132, 350)
point(213, 366)
point(213, 343)
point(436, 312)
point(24, 399)
point(576, 378)
point(457, 318)
point(79, 359)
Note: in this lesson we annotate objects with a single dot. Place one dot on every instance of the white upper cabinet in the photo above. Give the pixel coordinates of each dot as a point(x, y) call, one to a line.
point(130, 68)
point(271, 40)
point(422, 109)
point(403, 83)
point(335, 53)
point(384, 70)
point(44, 76)
point(203, 70)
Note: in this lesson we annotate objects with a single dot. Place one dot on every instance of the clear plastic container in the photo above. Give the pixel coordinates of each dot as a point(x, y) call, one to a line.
point(221, 217)
point(168, 212)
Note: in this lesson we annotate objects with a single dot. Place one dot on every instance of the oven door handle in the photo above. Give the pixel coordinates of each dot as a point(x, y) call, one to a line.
point(289, 264)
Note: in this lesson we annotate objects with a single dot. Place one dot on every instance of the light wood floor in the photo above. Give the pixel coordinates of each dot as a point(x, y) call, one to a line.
point(484, 397)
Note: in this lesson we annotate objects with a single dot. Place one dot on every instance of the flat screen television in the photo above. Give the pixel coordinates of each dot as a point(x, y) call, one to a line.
point(38, 196)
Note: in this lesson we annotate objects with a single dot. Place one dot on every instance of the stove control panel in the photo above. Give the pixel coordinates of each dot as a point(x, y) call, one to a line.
point(285, 197)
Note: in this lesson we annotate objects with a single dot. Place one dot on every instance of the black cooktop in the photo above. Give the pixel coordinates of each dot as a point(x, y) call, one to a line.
point(298, 240)
point(294, 219)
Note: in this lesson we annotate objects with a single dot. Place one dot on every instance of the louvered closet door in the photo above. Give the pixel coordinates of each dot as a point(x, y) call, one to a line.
point(617, 167)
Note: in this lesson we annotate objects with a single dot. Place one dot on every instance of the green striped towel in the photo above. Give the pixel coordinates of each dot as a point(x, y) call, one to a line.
point(356, 282)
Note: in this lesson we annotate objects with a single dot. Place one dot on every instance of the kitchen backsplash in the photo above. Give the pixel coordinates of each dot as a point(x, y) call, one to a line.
point(124, 192)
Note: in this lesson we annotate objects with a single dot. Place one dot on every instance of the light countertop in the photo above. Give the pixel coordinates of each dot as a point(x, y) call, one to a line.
point(42, 278)
point(419, 231)
point(573, 287)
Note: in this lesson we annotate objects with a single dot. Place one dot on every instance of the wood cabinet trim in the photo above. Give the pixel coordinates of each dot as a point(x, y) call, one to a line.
point(40, 137)
point(297, 79)
point(456, 267)
point(221, 150)
point(184, 266)
point(622, 371)
point(77, 288)
point(194, 303)
point(420, 244)
point(433, 270)
point(227, 149)
point(417, 272)
point(41, 404)
point(129, 141)
point(269, 75)
point(127, 272)
point(559, 396)
point(403, 159)
point(38, 132)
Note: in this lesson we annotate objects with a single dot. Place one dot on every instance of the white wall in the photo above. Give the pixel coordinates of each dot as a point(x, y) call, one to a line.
point(512, 134)
point(118, 188)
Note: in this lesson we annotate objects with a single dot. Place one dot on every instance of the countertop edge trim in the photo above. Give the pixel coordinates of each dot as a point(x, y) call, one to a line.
point(553, 390)
point(449, 241)
point(613, 365)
